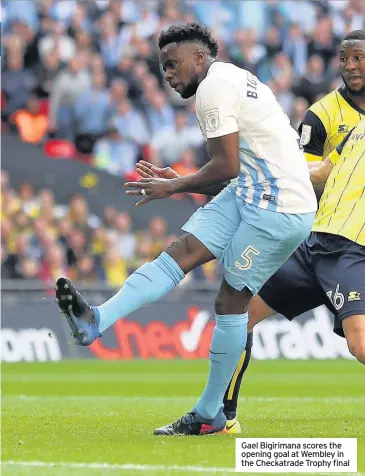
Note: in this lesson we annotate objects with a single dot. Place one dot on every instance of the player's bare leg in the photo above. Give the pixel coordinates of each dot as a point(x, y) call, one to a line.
point(148, 284)
point(354, 330)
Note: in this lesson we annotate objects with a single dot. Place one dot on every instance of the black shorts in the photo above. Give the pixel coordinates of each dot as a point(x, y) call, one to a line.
point(326, 269)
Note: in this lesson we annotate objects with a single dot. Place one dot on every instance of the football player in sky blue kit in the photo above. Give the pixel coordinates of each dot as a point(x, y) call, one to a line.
point(251, 227)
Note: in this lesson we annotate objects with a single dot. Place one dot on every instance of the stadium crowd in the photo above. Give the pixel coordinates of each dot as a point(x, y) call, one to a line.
point(43, 240)
point(88, 72)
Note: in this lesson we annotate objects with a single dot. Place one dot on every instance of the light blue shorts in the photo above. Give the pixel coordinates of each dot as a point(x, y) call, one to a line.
point(252, 243)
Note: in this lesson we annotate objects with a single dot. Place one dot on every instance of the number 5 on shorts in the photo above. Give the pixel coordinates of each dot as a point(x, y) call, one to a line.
point(250, 250)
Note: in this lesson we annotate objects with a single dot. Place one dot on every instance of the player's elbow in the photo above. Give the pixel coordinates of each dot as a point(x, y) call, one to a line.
point(230, 172)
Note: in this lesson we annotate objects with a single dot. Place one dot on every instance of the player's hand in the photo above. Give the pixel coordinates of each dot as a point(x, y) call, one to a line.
point(147, 170)
point(150, 189)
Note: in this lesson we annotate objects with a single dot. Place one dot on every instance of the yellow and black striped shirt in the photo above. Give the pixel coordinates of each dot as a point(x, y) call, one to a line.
point(327, 122)
point(342, 206)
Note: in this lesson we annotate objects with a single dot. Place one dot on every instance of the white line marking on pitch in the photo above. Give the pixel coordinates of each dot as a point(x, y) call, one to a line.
point(120, 467)
point(135, 467)
point(156, 398)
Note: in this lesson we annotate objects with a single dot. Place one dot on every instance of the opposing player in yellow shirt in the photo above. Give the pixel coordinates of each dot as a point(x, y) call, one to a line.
point(328, 120)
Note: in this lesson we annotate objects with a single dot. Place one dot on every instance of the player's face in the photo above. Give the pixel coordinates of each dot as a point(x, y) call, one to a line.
point(182, 64)
point(352, 65)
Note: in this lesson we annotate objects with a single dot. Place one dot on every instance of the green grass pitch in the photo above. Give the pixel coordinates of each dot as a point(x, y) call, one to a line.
point(86, 414)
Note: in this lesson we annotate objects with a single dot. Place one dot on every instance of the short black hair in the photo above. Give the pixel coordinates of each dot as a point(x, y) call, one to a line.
point(189, 33)
point(354, 35)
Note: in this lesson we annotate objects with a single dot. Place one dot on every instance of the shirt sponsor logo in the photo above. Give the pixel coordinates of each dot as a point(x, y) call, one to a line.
point(343, 129)
point(354, 296)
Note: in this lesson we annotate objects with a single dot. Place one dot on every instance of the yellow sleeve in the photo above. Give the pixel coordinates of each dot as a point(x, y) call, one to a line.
point(313, 135)
point(313, 158)
point(333, 156)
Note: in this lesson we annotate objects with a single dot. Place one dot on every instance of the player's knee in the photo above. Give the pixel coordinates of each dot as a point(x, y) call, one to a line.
point(228, 304)
point(189, 252)
point(220, 305)
point(354, 330)
point(357, 349)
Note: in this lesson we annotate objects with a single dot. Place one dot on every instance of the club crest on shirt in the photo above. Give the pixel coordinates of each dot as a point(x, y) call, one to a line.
point(211, 120)
point(306, 134)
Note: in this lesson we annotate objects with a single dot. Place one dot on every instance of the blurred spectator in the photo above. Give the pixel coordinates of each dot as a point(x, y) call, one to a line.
point(157, 233)
point(110, 216)
point(16, 83)
point(65, 231)
point(30, 123)
point(347, 17)
point(118, 92)
point(143, 254)
point(125, 240)
point(302, 12)
point(77, 247)
point(298, 112)
point(79, 23)
point(133, 130)
point(123, 70)
point(125, 12)
point(53, 265)
point(295, 46)
point(272, 42)
point(248, 52)
point(159, 113)
point(97, 64)
point(59, 41)
point(63, 11)
point(323, 41)
point(282, 88)
point(85, 269)
point(29, 269)
point(68, 86)
point(186, 165)
point(111, 153)
point(170, 142)
point(92, 108)
point(148, 23)
point(27, 197)
point(24, 12)
point(15, 259)
point(115, 268)
point(314, 81)
point(46, 73)
point(110, 42)
point(79, 213)
point(253, 18)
